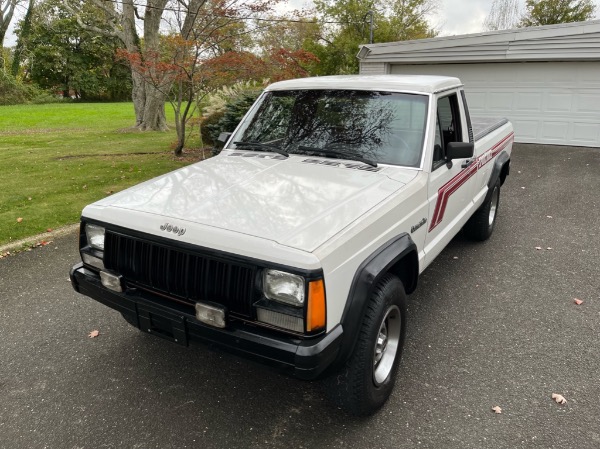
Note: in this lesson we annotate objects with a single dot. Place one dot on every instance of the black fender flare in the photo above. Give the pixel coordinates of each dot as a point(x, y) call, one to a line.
point(366, 277)
point(501, 160)
point(499, 163)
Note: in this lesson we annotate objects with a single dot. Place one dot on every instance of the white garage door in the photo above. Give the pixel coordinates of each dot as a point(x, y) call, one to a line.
point(547, 102)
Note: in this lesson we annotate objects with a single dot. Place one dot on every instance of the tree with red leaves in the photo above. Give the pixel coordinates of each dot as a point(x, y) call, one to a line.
point(178, 35)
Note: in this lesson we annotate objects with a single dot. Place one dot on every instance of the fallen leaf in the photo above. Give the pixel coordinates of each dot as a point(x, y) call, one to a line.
point(559, 398)
point(538, 247)
point(497, 409)
point(577, 301)
point(94, 334)
point(49, 230)
point(19, 220)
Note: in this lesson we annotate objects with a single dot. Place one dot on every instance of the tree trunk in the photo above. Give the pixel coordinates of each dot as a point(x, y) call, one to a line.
point(138, 95)
point(148, 101)
point(2, 33)
point(7, 8)
point(180, 127)
point(154, 110)
point(153, 117)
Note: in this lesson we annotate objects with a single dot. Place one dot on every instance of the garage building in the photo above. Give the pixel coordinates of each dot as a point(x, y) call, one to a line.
point(546, 80)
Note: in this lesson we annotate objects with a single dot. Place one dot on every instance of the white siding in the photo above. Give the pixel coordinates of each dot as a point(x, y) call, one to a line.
point(373, 68)
point(563, 42)
point(547, 102)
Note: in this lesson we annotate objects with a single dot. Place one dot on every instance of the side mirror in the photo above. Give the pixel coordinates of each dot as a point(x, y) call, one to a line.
point(459, 150)
point(222, 139)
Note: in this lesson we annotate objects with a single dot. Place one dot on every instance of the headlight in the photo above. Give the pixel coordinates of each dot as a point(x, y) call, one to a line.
point(95, 236)
point(284, 287)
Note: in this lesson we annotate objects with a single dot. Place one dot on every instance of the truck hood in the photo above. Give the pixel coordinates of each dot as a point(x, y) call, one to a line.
point(298, 201)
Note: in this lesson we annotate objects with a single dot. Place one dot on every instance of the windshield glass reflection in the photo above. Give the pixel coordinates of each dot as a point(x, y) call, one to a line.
point(384, 127)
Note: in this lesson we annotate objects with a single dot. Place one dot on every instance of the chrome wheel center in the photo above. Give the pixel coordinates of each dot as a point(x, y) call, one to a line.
point(381, 346)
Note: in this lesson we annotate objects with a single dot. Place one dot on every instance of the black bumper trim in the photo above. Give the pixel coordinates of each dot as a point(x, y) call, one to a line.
point(305, 359)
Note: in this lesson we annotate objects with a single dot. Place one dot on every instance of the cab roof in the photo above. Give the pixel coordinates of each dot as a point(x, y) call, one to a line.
point(396, 83)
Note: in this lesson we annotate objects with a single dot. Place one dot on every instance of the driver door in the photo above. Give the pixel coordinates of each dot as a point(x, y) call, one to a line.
point(451, 183)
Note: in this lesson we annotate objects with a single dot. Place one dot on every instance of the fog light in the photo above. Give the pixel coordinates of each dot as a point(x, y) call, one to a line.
point(92, 260)
point(281, 320)
point(211, 315)
point(111, 281)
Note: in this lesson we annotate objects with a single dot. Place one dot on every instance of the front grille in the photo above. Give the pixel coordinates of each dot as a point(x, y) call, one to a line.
point(184, 275)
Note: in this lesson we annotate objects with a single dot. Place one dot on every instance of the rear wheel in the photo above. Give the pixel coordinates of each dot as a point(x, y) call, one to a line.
point(367, 380)
point(481, 225)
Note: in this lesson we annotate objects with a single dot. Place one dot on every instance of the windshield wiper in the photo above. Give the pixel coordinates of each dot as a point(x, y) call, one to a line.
point(262, 147)
point(337, 154)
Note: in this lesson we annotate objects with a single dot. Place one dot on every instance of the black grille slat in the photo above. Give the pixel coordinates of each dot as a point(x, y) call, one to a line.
point(181, 274)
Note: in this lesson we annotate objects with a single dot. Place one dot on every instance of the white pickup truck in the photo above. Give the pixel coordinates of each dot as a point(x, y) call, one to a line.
point(297, 244)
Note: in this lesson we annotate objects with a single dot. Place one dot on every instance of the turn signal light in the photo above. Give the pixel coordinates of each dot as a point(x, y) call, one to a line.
point(316, 313)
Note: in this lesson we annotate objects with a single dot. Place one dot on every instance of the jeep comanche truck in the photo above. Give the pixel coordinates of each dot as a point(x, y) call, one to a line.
point(297, 244)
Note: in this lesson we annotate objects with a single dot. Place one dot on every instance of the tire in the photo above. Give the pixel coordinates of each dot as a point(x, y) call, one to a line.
point(367, 379)
point(481, 225)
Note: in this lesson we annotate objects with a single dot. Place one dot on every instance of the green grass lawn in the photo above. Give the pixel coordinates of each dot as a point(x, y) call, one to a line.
point(57, 158)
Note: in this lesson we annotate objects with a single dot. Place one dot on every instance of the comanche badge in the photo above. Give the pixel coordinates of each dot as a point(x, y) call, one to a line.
point(418, 225)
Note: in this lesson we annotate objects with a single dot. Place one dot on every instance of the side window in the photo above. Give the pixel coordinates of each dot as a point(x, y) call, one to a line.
point(448, 127)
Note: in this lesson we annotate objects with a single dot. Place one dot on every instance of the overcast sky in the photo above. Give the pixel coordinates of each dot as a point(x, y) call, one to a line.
point(453, 17)
point(461, 16)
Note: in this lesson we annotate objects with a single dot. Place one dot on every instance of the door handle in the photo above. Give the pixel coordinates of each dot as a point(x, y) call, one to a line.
point(466, 163)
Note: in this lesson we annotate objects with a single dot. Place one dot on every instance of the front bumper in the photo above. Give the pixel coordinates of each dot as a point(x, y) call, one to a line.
point(304, 358)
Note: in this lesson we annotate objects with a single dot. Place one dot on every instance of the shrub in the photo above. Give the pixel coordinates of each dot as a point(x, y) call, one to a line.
point(12, 91)
point(233, 114)
point(206, 124)
point(226, 108)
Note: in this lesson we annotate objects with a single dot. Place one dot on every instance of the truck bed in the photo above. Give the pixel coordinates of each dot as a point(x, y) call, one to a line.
point(482, 126)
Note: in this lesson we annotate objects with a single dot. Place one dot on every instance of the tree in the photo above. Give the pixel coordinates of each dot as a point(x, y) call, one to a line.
point(396, 20)
point(198, 21)
point(292, 34)
point(181, 67)
point(59, 55)
point(504, 15)
point(121, 24)
point(549, 12)
point(7, 9)
point(23, 36)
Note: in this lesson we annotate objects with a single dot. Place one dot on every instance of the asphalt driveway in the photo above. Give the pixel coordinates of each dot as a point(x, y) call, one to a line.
point(491, 324)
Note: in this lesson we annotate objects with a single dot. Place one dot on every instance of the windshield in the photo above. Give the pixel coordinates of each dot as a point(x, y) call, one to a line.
point(384, 127)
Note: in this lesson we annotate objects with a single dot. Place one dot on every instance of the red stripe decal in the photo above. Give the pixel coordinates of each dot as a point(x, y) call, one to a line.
point(455, 183)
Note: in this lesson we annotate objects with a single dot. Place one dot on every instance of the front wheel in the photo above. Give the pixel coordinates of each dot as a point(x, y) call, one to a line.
point(481, 225)
point(366, 381)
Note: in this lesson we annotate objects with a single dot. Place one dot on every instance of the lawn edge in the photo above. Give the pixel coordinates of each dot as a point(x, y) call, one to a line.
point(27, 242)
